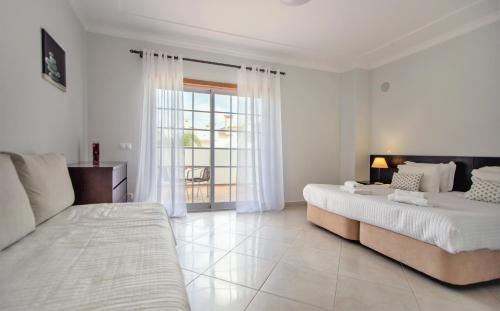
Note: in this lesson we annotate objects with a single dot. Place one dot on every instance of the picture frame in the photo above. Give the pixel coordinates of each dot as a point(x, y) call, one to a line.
point(53, 62)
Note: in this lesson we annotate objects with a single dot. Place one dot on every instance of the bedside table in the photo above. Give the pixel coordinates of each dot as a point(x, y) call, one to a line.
point(102, 183)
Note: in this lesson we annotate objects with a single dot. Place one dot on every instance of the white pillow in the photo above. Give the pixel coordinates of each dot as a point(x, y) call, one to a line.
point(446, 173)
point(491, 169)
point(487, 175)
point(16, 216)
point(431, 179)
point(45, 178)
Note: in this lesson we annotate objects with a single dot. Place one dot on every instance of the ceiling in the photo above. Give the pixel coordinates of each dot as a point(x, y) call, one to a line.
point(332, 35)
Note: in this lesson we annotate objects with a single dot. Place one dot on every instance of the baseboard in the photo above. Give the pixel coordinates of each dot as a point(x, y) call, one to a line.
point(295, 203)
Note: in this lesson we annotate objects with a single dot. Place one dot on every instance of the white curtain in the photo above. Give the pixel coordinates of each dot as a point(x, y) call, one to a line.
point(259, 156)
point(160, 176)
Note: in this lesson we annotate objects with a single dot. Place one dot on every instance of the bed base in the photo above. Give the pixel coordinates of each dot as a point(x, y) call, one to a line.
point(340, 225)
point(462, 268)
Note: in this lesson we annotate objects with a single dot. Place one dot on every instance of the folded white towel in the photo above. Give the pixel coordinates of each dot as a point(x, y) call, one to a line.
point(408, 200)
point(352, 184)
point(487, 173)
point(413, 194)
point(355, 190)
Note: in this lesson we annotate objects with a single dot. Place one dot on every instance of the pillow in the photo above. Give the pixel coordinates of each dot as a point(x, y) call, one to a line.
point(45, 178)
point(483, 190)
point(491, 169)
point(16, 216)
point(409, 182)
point(446, 173)
point(487, 175)
point(430, 181)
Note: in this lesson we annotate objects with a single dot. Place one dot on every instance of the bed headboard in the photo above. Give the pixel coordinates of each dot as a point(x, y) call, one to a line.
point(465, 165)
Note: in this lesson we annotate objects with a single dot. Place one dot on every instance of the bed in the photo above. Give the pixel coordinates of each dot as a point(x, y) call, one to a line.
point(457, 242)
point(102, 256)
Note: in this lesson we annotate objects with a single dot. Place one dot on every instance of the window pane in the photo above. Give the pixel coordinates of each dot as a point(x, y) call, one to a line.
point(187, 175)
point(222, 139)
point(222, 103)
point(201, 193)
point(202, 101)
point(234, 140)
point(233, 193)
point(201, 157)
point(188, 119)
point(222, 121)
point(188, 101)
point(233, 175)
point(188, 138)
point(188, 157)
point(221, 193)
point(238, 105)
point(234, 157)
point(202, 120)
point(222, 157)
point(201, 139)
point(221, 176)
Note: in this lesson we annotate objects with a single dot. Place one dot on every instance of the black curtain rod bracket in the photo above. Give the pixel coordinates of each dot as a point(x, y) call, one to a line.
point(194, 60)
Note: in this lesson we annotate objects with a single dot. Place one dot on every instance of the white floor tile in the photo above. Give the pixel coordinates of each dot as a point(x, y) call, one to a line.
point(206, 293)
point(279, 234)
point(302, 284)
point(198, 258)
point(353, 294)
point(268, 302)
point(319, 238)
point(242, 269)
point(188, 232)
point(262, 248)
point(361, 263)
point(433, 295)
point(221, 240)
point(189, 276)
point(317, 259)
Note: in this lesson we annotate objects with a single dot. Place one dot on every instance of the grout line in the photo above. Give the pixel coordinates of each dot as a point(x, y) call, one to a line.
point(411, 287)
point(338, 274)
point(270, 272)
point(293, 299)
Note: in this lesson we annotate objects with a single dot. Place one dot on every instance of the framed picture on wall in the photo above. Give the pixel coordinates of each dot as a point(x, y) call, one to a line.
point(53, 62)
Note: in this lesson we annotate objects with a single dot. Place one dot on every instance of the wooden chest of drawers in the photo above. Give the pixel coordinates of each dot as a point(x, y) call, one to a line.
point(103, 183)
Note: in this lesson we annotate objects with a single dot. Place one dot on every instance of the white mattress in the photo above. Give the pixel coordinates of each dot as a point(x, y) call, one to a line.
point(103, 256)
point(456, 224)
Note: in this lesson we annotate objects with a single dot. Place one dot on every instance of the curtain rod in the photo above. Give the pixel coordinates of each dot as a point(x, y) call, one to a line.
point(205, 62)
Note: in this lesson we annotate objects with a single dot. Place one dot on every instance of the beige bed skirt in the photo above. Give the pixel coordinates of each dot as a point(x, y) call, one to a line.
point(345, 227)
point(458, 269)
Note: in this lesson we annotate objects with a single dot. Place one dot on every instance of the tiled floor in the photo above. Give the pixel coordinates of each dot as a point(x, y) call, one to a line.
point(278, 261)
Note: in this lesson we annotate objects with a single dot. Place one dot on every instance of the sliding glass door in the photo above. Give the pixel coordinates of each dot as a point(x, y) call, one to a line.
point(210, 141)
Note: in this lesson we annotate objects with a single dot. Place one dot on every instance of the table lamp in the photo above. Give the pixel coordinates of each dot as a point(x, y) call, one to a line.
point(379, 162)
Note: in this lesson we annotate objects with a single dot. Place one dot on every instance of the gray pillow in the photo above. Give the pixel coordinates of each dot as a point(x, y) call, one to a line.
point(409, 182)
point(16, 216)
point(45, 178)
point(482, 190)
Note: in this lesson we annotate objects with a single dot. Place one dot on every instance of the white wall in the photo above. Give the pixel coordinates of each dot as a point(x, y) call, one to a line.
point(443, 101)
point(354, 125)
point(310, 109)
point(35, 116)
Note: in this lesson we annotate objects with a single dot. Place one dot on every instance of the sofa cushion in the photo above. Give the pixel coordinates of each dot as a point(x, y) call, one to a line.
point(16, 216)
point(46, 180)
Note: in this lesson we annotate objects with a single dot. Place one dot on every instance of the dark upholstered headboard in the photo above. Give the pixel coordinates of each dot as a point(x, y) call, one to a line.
point(465, 165)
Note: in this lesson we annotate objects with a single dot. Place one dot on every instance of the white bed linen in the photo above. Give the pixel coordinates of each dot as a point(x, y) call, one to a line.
point(456, 224)
point(102, 256)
